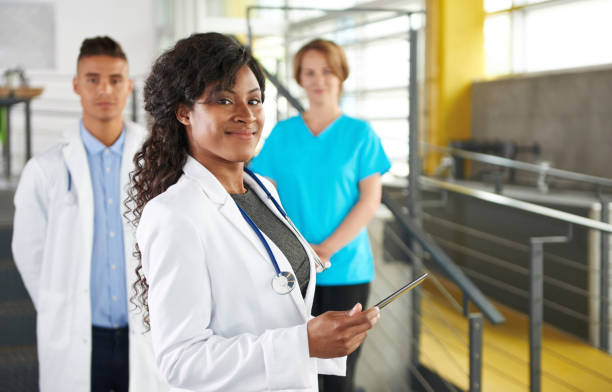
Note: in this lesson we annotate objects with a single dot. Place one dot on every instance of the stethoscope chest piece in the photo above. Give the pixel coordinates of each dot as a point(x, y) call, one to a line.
point(283, 283)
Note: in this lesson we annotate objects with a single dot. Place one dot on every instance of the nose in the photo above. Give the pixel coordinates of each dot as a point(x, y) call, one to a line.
point(318, 79)
point(243, 113)
point(104, 87)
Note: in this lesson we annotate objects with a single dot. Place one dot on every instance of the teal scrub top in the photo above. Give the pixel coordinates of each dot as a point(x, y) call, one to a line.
point(317, 178)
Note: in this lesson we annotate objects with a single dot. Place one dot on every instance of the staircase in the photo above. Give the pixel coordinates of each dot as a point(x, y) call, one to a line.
point(568, 363)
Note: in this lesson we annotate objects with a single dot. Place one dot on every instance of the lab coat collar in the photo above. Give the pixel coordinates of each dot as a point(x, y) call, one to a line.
point(212, 188)
point(207, 181)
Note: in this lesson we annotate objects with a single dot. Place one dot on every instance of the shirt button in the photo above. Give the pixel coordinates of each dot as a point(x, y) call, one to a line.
point(113, 266)
point(84, 340)
point(110, 201)
point(112, 234)
point(106, 151)
point(116, 325)
point(108, 169)
point(115, 298)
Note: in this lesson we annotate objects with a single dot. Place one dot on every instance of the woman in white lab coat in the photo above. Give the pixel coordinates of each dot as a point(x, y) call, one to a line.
point(215, 281)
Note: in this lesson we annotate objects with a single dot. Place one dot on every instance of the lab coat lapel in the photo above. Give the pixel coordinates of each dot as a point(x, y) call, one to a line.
point(303, 304)
point(78, 166)
point(227, 207)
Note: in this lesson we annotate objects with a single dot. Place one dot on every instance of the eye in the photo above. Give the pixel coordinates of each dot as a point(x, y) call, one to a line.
point(116, 81)
point(327, 72)
point(92, 80)
point(223, 101)
point(254, 101)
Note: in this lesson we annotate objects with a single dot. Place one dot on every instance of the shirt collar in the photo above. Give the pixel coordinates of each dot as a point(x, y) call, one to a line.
point(94, 146)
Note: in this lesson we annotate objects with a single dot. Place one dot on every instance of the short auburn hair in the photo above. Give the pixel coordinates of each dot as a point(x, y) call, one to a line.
point(334, 54)
point(105, 46)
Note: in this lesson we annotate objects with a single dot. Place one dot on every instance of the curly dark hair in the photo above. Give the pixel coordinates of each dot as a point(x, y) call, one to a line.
point(178, 76)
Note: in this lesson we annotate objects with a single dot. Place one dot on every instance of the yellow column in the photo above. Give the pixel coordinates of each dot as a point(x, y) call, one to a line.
point(455, 57)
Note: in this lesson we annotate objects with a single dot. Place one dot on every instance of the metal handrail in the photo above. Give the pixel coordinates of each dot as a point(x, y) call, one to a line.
point(518, 204)
point(510, 163)
point(444, 262)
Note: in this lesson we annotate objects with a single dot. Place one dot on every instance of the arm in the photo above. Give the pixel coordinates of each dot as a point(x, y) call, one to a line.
point(370, 190)
point(30, 227)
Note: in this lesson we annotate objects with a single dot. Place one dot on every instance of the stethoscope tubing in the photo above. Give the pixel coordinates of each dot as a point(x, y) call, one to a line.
point(284, 214)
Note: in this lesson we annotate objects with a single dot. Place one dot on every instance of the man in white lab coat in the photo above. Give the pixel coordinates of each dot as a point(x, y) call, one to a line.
point(73, 247)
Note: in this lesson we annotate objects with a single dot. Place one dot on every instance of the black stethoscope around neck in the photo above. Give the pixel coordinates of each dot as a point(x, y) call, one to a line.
point(283, 281)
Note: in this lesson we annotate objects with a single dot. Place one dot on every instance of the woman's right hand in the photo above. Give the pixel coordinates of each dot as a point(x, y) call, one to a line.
point(338, 333)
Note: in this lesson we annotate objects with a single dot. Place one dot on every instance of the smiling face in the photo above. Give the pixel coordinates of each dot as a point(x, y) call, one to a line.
point(224, 125)
point(103, 84)
point(317, 78)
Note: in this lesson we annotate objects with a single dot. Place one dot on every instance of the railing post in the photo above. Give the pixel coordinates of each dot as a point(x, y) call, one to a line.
point(475, 352)
point(604, 281)
point(536, 304)
point(414, 164)
point(536, 300)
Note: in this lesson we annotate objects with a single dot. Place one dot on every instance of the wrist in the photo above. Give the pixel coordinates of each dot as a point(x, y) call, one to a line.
point(327, 248)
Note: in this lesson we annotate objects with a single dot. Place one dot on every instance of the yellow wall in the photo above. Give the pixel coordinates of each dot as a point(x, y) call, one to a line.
point(455, 57)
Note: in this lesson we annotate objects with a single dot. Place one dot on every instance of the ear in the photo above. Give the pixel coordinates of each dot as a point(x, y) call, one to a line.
point(182, 114)
point(75, 86)
point(130, 86)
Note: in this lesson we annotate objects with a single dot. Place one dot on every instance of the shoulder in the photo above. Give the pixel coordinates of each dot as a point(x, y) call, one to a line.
point(357, 125)
point(182, 204)
point(49, 163)
point(43, 173)
point(287, 124)
point(268, 184)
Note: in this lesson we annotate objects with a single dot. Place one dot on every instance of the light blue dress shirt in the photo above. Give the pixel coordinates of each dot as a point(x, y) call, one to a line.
point(108, 286)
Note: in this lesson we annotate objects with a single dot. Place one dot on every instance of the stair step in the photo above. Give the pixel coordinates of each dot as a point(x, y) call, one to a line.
point(18, 369)
point(568, 363)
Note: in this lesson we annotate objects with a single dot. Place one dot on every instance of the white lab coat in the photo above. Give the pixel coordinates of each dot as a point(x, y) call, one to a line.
point(216, 323)
point(52, 247)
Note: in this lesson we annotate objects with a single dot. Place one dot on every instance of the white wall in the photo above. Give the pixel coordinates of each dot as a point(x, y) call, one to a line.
point(131, 23)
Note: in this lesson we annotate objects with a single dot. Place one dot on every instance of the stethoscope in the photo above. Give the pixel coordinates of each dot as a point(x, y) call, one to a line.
point(283, 281)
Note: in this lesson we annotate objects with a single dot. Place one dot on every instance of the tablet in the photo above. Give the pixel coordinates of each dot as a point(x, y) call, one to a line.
point(401, 291)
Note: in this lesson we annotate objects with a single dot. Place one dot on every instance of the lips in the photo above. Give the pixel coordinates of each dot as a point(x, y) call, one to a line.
point(242, 134)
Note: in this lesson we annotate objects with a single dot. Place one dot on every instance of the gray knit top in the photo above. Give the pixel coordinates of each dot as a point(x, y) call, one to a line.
point(278, 232)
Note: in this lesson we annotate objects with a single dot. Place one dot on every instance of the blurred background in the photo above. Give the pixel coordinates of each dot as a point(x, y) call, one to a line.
point(496, 115)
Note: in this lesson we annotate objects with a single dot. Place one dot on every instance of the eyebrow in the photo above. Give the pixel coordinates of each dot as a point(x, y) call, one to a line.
point(229, 90)
point(89, 74)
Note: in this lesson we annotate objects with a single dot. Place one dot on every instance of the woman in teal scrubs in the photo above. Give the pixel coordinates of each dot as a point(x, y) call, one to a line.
point(327, 167)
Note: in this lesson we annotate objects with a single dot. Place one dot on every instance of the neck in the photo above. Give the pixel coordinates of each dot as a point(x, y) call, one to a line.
point(323, 111)
point(107, 132)
point(230, 175)
point(318, 117)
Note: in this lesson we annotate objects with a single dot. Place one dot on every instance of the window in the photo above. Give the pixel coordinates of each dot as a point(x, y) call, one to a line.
point(538, 35)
